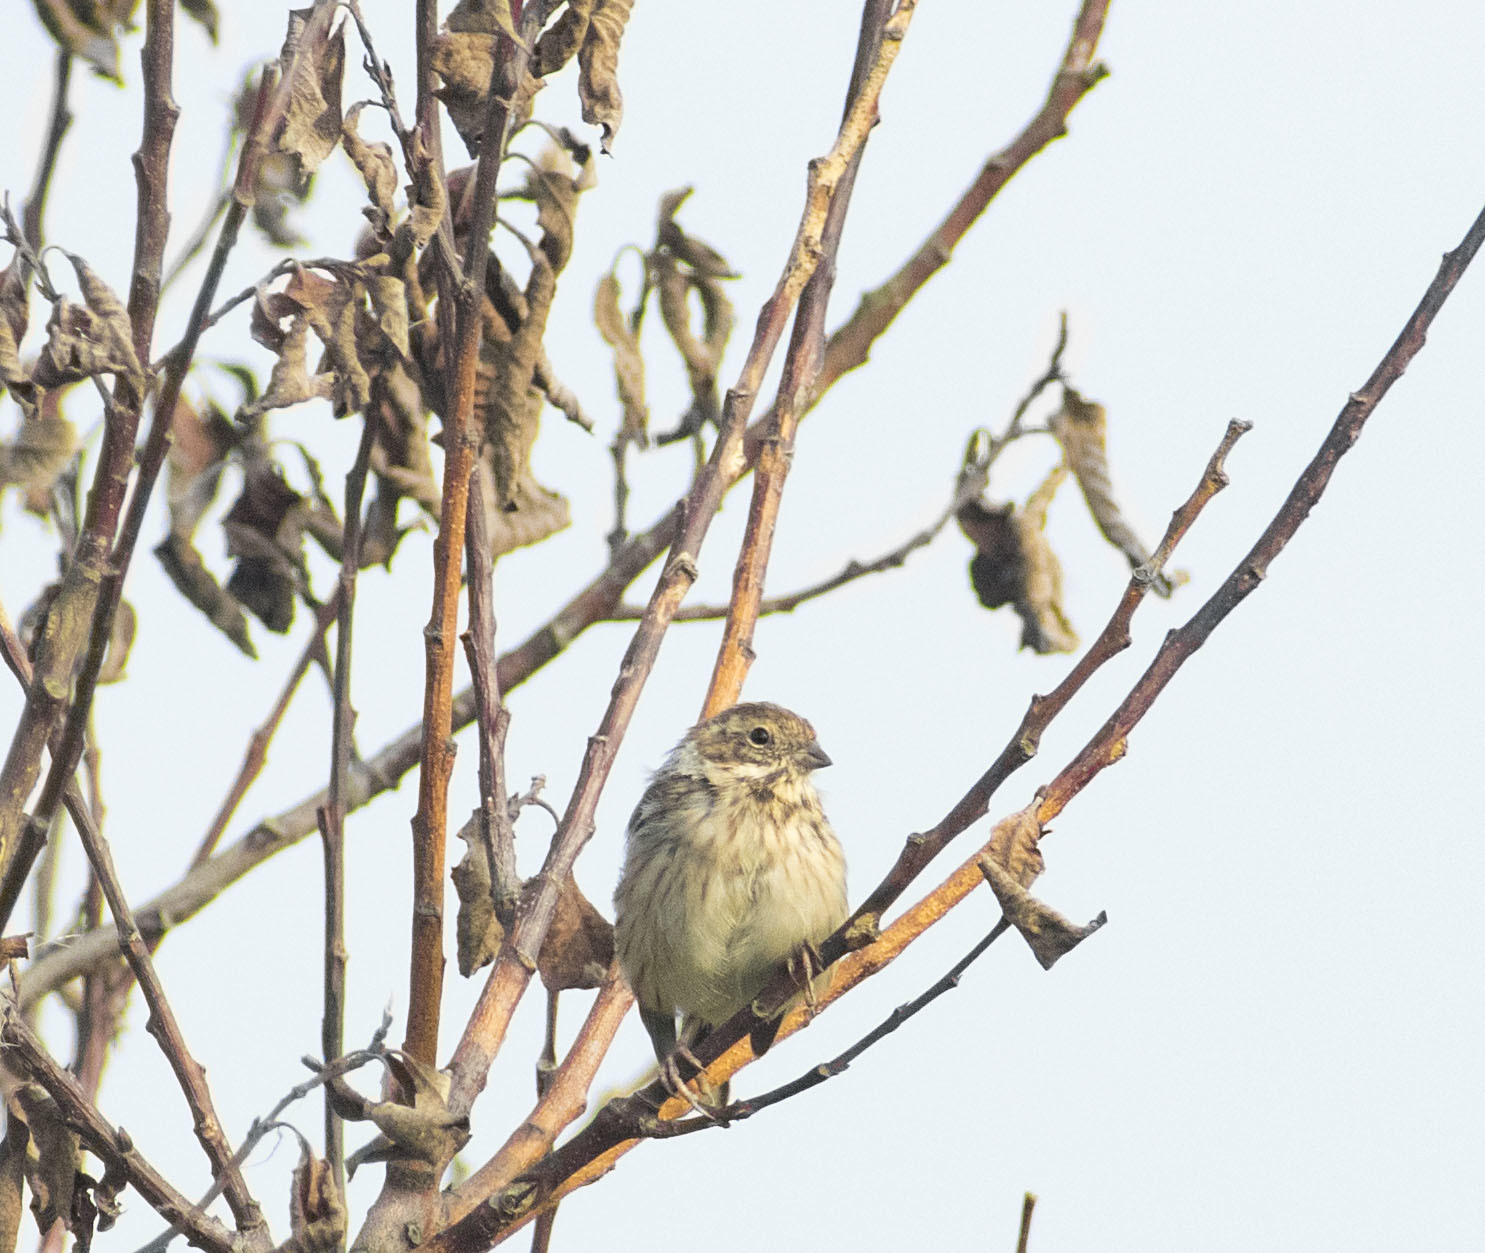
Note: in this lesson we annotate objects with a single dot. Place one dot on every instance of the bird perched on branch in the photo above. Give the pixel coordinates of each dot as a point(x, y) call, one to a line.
point(731, 870)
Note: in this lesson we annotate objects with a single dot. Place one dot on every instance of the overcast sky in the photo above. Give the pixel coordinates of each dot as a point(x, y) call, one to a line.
point(1275, 1042)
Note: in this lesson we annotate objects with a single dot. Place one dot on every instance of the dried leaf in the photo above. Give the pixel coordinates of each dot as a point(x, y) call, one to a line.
point(425, 1130)
point(313, 66)
point(465, 63)
point(197, 584)
point(205, 12)
point(13, 320)
point(52, 1174)
point(484, 17)
point(579, 944)
point(88, 29)
point(1081, 427)
point(120, 641)
point(317, 1217)
point(598, 67)
point(1049, 934)
point(559, 42)
point(83, 342)
point(289, 383)
point(629, 365)
point(265, 532)
point(377, 169)
point(702, 362)
point(1013, 564)
point(538, 513)
point(42, 449)
point(696, 253)
point(478, 928)
point(199, 448)
point(1015, 845)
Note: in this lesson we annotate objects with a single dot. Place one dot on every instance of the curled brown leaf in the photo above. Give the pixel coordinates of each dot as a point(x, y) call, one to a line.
point(1081, 427)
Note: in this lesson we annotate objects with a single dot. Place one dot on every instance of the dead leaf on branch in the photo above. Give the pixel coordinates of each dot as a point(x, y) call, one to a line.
point(44, 446)
point(204, 12)
point(312, 64)
point(52, 1173)
point(14, 317)
point(89, 30)
point(89, 340)
point(1011, 862)
point(378, 170)
point(620, 334)
point(579, 944)
point(265, 533)
point(560, 41)
point(1081, 427)
point(12, 1181)
point(1013, 564)
point(598, 68)
point(317, 1216)
point(419, 1126)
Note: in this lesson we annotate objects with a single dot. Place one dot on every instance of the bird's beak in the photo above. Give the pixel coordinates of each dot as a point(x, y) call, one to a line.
point(814, 756)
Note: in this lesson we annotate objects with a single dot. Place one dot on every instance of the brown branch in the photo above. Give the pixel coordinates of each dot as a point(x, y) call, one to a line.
point(1022, 746)
point(162, 1024)
point(34, 215)
point(110, 1144)
point(796, 383)
point(492, 718)
point(516, 961)
point(846, 349)
point(1077, 75)
point(1110, 743)
point(331, 819)
point(461, 442)
point(81, 605)
point(559, 1106)
point(1023, 1238)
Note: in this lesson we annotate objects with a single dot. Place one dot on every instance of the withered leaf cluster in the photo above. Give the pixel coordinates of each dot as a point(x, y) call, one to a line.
point(1013, 562)
point(415, 1124)
point(676, 268)
point(41, 1149)
point(1014, 565)
point(589, 30)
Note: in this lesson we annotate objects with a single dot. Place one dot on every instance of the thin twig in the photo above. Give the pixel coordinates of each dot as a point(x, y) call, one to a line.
point(331, 819)
point(34, 216)
point(737, 1111)
point(256, 755)
point(492, 718)
point(1023, 1240)
point(1110, 743)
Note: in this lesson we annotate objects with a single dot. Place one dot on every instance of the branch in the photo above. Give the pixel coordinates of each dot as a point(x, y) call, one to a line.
point(61, 118)
point(461, 442)
point(796, 383)
point(331, 819)
point(1110, 743)
point(111, 1145)
point(516, 961)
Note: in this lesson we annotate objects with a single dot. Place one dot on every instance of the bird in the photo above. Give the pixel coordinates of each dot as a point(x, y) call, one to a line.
point(731, 870)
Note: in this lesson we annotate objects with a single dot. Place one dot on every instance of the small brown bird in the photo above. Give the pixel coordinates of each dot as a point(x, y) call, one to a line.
point(731, 870)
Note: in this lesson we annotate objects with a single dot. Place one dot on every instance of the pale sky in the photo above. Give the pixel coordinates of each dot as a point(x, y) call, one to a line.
point(1275, 1042)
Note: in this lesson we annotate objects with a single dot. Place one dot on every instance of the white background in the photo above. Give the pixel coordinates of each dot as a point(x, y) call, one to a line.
point(1275, 1042)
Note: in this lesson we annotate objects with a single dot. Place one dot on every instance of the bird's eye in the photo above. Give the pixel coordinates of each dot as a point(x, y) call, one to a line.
point(761, 736)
